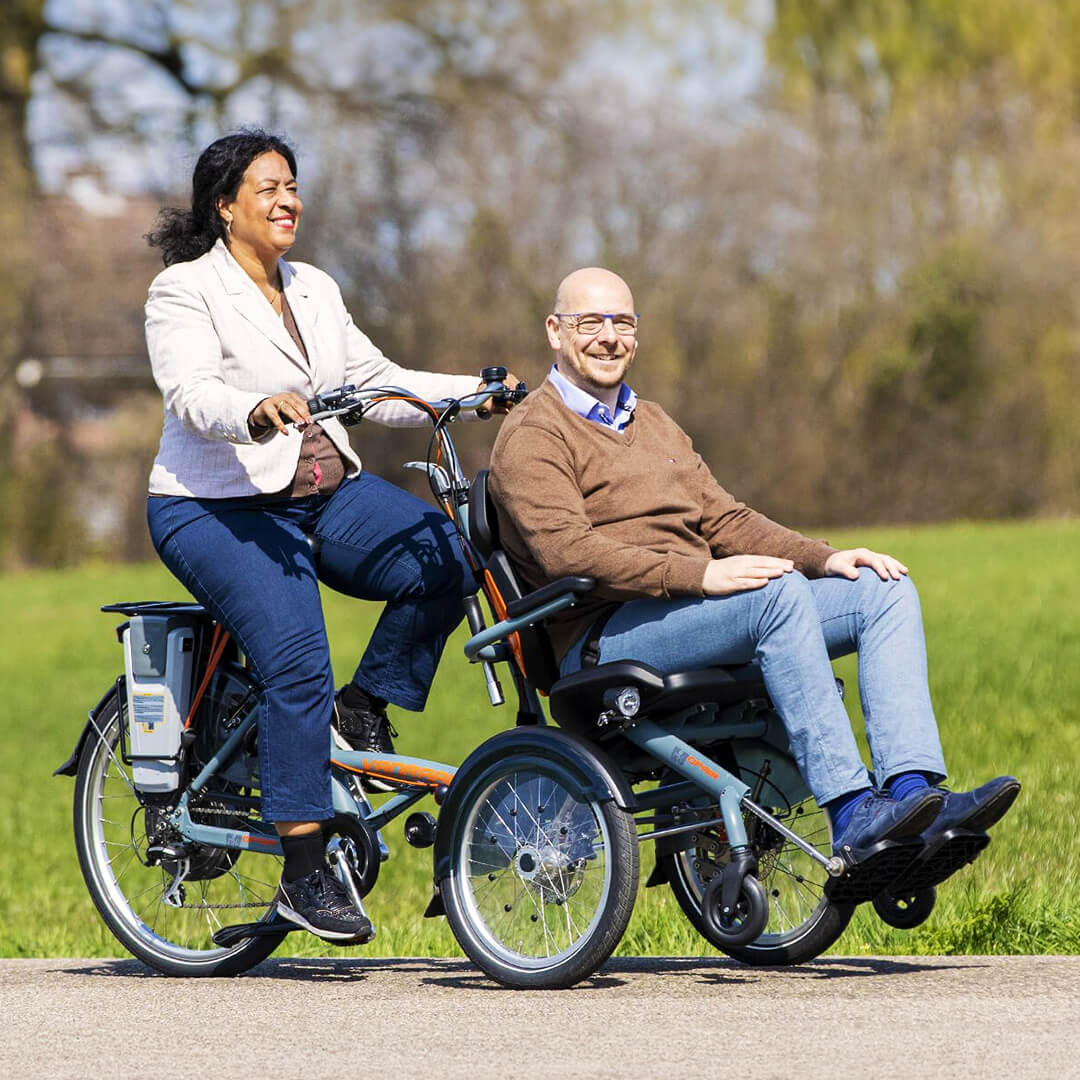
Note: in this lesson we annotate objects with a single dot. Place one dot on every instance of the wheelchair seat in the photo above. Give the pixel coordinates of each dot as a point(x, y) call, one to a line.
point(581, 694)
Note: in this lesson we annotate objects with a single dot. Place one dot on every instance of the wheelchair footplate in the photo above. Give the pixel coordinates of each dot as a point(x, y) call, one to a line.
point(874, 871)
point(950, 852)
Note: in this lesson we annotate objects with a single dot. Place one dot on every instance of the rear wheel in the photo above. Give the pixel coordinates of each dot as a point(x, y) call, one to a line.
point(543, 875)
point(803, 922)
point(164, 912)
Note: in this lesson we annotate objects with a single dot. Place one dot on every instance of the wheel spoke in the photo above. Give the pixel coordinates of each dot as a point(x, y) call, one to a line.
point(541, 867)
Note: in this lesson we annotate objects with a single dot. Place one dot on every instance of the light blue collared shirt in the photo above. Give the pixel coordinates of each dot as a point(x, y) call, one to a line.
point(584, 404)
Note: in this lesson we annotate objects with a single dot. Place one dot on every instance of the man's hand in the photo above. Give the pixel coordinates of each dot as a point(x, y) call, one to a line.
point(739, 573)
point(847, 563)
point(497, 407)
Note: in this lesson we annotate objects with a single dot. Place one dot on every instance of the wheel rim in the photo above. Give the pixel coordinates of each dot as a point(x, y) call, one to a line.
point(534, 872)
point(793, 881)
point(170, 919)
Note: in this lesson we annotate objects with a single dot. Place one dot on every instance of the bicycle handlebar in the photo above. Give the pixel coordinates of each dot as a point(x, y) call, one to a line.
point(349, 403)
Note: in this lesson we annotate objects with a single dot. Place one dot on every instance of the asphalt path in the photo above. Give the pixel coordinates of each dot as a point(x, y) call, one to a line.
point(908, 1017)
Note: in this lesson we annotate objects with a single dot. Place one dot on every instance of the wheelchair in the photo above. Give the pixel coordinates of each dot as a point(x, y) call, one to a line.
point(537, 852)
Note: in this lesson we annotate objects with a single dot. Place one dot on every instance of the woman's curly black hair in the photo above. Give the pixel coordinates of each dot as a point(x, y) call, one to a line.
point(184, 235)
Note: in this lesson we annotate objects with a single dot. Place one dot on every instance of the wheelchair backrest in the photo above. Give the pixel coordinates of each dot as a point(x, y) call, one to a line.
point(536, 652)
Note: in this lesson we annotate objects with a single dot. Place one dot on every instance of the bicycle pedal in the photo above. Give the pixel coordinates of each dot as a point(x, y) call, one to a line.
point(228, 936)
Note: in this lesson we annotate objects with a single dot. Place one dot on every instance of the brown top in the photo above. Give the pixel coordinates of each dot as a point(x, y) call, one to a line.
point(638, 509)
point(321, 467)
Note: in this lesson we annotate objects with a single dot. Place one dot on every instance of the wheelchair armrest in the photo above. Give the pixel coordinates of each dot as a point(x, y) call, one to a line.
point(579, 586)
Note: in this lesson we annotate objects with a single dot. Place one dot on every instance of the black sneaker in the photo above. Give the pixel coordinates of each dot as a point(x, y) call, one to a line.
point(365, 727)
point(320, 904)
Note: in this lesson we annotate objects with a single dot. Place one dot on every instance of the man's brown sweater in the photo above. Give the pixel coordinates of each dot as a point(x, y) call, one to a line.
point(638, 509)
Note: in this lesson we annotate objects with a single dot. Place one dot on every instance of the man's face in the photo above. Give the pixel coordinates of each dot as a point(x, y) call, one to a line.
point(597, 361)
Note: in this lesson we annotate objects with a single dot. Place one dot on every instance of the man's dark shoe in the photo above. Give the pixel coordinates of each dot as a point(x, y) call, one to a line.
point(880, 842)
point(319, 903)
point(879, 818)
point(957, 835)
point(364, 725)
point(977, 810)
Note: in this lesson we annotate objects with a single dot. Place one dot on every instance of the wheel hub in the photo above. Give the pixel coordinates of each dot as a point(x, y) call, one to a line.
point(548, 873)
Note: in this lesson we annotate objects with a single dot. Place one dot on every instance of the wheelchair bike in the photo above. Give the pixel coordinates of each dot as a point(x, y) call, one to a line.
point(537, 850)
point(536, 843)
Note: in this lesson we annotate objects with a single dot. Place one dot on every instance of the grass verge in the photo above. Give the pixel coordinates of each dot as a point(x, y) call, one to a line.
point(1002, 612)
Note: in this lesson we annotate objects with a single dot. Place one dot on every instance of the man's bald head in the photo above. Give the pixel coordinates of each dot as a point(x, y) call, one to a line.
point(581, 290)
point(595, 360)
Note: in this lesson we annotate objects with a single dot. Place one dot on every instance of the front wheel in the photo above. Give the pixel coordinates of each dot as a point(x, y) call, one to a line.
point(165, 911)
point(802, 922)
point(542, 874)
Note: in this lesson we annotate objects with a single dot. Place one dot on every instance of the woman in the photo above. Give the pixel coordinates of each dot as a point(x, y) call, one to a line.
point(239, 340)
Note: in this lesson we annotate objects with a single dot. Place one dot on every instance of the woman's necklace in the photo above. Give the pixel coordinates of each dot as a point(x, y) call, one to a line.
point(276, 299)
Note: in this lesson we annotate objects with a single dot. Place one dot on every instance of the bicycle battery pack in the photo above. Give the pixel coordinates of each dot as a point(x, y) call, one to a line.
point(159, 654)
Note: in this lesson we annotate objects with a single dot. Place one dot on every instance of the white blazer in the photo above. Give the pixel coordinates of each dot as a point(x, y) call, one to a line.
point(217, 348)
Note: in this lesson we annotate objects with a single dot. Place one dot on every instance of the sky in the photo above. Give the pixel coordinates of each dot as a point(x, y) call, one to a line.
point(711, 67)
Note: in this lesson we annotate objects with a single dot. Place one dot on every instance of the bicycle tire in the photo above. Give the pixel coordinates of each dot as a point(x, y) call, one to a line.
point(543, 873)
point(131, 896)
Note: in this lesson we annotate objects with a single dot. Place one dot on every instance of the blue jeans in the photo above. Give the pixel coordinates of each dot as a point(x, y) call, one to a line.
point(249, 563)
point(792, 628)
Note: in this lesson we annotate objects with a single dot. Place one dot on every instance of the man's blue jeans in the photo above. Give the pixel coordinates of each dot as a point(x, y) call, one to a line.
point(792, 628)
point(249, 563)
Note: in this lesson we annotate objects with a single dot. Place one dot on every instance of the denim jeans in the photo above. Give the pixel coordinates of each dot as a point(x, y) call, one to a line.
point(249, 563)
point(791, 629)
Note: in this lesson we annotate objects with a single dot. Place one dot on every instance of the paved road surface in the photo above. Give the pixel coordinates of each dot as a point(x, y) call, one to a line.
point(910, 1017)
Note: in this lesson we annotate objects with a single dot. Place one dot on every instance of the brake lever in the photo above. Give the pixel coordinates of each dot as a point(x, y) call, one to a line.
point(332, 399)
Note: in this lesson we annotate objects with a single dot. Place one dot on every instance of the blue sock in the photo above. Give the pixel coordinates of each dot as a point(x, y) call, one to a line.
point(841, 809)
point(906, 783)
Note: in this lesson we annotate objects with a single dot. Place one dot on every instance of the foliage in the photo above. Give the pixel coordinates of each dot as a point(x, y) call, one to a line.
point(857, 277)
point(1003, 634)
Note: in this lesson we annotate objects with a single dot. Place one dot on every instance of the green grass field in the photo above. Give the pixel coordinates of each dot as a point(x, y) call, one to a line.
point(1002, 610)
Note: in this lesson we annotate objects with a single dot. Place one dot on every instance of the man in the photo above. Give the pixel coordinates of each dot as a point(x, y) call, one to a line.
point(590, 480)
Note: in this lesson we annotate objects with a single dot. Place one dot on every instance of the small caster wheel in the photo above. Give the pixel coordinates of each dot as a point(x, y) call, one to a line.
point(746, 922)
point(906, 910)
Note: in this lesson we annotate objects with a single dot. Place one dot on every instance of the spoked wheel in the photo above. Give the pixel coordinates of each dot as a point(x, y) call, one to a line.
point(802, 923)
point(542, 876)
point(166, 913)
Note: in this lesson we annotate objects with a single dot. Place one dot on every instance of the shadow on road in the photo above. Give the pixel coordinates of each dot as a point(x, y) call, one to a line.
point(461, 974)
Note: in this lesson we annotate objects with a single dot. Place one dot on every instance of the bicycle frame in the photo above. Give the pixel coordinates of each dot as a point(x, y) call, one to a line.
point(422, 776)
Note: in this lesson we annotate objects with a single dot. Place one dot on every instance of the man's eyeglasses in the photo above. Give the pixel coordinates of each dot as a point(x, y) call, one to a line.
point(592, 322)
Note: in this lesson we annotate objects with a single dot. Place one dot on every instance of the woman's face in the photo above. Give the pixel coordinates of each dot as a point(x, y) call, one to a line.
point(264, 216)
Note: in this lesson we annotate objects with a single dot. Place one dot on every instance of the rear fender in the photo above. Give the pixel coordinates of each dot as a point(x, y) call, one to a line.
point(71, 766)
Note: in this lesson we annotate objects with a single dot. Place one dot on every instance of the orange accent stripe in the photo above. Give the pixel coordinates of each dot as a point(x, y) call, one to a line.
point(217, 647)
point(397, 778)
point(250, 839)
point(498, 605)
